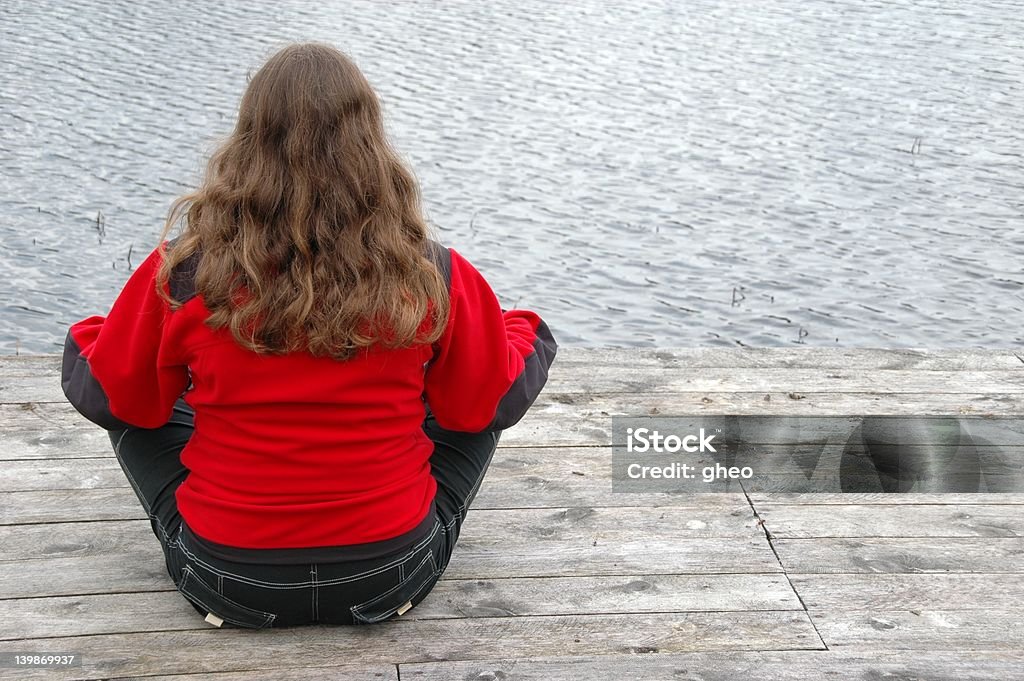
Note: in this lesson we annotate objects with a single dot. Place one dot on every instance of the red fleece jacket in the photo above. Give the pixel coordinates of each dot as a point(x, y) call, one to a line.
point(300, 451)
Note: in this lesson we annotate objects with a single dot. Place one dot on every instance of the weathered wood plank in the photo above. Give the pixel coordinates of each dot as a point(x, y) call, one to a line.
point(140, 567)
point(910, 592)
point(902, 555)
point(900, 520)
point(559, 419)
point(994, 481)
point(115, 573)
point(56, 431)
point(61, 474)
point(50, 419)
point(934, 665)
point(520, 477)
point(349, 672)
point(107, 557)
point(675, 359)
point(80, 440)
point(724, 514)
point(497, 492)
point(50, 430)
point(624, 379)
point(764, 499)
point(608, 595)
point(167, 610)
point(121, 504)
point(996, 629)
point(87, 615)
point(566, 526)
point(36, 489)
point(69, 505)
point(400, 641)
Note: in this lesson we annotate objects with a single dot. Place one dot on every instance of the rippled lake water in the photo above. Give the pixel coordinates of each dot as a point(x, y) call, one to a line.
point(641, 173)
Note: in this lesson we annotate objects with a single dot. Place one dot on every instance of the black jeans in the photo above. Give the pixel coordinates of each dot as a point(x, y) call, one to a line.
point(359, 591)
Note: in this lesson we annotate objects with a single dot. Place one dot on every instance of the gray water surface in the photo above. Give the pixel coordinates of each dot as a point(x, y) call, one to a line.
point(643, 173)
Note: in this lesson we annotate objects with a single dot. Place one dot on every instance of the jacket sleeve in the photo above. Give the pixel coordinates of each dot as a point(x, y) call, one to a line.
point(490, 364)
point(121, 370)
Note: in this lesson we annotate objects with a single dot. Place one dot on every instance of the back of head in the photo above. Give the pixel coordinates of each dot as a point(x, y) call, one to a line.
point(309, 227)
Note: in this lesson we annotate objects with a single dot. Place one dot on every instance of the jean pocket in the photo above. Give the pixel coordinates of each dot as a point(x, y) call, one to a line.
point(219, 606)
point(402, 596)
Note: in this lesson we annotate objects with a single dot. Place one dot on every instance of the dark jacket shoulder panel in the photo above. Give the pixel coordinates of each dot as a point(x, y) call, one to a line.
point(442, 259)
point(182, 281)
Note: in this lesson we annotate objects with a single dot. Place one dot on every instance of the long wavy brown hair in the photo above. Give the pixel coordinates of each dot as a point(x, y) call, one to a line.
point(307, 225)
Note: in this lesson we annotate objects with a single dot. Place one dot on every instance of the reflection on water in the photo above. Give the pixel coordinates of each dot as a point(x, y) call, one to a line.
point(643, 173)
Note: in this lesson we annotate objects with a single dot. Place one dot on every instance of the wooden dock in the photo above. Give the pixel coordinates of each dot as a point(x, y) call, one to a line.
point(556, 577)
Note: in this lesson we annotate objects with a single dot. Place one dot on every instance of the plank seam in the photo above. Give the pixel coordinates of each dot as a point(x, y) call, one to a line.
point(768, 538)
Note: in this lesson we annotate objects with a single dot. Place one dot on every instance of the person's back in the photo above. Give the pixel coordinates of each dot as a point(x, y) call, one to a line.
point(288, 347)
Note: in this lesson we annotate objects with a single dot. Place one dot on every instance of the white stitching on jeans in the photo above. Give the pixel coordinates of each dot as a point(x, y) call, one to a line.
point(128, 474)
point(401, 583)
point(476, 487)
point(268, 617)
point(316, 594)
point(297, 585)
